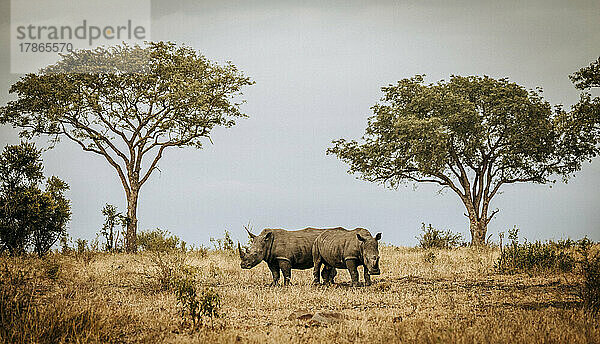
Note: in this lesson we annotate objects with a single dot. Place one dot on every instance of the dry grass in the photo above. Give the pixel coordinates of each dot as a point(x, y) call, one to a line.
point(421, 296)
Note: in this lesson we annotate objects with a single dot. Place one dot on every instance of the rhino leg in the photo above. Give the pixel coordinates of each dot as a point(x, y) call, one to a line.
point(366, 275)
point(328, 274)
point(274, 267)
point(351, 266)
point(286, 269)
point(317, 268)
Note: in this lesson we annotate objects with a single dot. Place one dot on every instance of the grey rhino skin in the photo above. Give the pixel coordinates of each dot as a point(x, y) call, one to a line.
point(283, 250)
point(347, 249)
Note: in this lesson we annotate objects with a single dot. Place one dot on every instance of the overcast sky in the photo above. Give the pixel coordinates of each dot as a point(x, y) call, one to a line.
point(318, 69)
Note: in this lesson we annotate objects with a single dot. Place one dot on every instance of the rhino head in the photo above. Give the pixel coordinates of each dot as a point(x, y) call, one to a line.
point(369, 249)
point(259, 245)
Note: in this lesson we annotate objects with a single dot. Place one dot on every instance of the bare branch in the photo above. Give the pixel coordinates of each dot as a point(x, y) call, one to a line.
point(102, 152)
point(492, 216)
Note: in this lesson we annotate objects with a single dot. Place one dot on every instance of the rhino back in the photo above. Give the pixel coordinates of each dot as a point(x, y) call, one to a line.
point(295, 246)
point(337, 245)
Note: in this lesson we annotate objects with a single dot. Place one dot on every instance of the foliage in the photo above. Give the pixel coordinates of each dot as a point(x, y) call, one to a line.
point(435, 238)
point(587, 77)
point(29, 217)
point(128, 104)
point(52, 267)
point(159, 240)
point(185, 290)
point(65, 247)
point(224, 244)
point(113, 237)
point(82, 245)
point(429, 257)
point(469, 134)
point(208, 303)
point(169, 268)
point(533, 257)
point(581, 125)
point(589, 291)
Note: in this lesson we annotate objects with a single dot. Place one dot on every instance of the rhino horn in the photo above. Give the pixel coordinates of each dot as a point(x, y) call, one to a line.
point(250, 234)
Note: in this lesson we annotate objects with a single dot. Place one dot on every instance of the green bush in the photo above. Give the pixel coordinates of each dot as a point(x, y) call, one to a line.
point(589, 290)
point(210, 303)
point(435, 238)
point(114, 238)
point(169, 268)
point(185, 289)
point(158, 240)
point(532, 257)
point(224, 244)
point(31, 219)
point(194, 307)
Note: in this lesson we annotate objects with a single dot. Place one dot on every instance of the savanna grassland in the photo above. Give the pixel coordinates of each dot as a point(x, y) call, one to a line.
point(429, 296)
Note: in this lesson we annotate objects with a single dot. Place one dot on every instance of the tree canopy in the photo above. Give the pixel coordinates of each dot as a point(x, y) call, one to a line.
point(29, 217)
point(129, 104)
point(469, 134)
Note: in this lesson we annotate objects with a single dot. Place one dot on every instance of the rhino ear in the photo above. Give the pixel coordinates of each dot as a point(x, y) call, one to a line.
point(378, 236)
point(359, 237)
point(268, 236)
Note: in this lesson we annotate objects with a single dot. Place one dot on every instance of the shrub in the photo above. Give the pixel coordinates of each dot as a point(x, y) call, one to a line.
point(429, 258)
point(65, 247)
point(589, 290)
point(82, 246)
point(114, 239)
point(533, 257)
point(224, 244)
point(210, 303)
point(193, 306)
point(51, 268)
point(185, 289)
point(30, 218)
point(168, 268)
point(159, 240)
point(435, 238)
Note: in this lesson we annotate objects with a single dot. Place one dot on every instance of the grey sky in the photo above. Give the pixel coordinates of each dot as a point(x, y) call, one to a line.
point(318, 69)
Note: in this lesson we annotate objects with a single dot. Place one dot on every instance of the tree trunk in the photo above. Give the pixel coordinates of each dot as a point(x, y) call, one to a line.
point(478, 230)
point(131, 235)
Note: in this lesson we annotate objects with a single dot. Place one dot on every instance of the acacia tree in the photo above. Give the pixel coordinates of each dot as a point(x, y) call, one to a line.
point(472, 135)
point(128, 104)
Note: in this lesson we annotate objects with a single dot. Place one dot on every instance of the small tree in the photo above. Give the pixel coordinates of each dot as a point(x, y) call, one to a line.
point(113, 219)
point(472, 135)
point(128, 104)
point(28, 215)
point(53, 213)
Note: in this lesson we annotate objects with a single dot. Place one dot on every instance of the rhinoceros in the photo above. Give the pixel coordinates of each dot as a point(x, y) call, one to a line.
point(283, 250)
point(347, 249)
